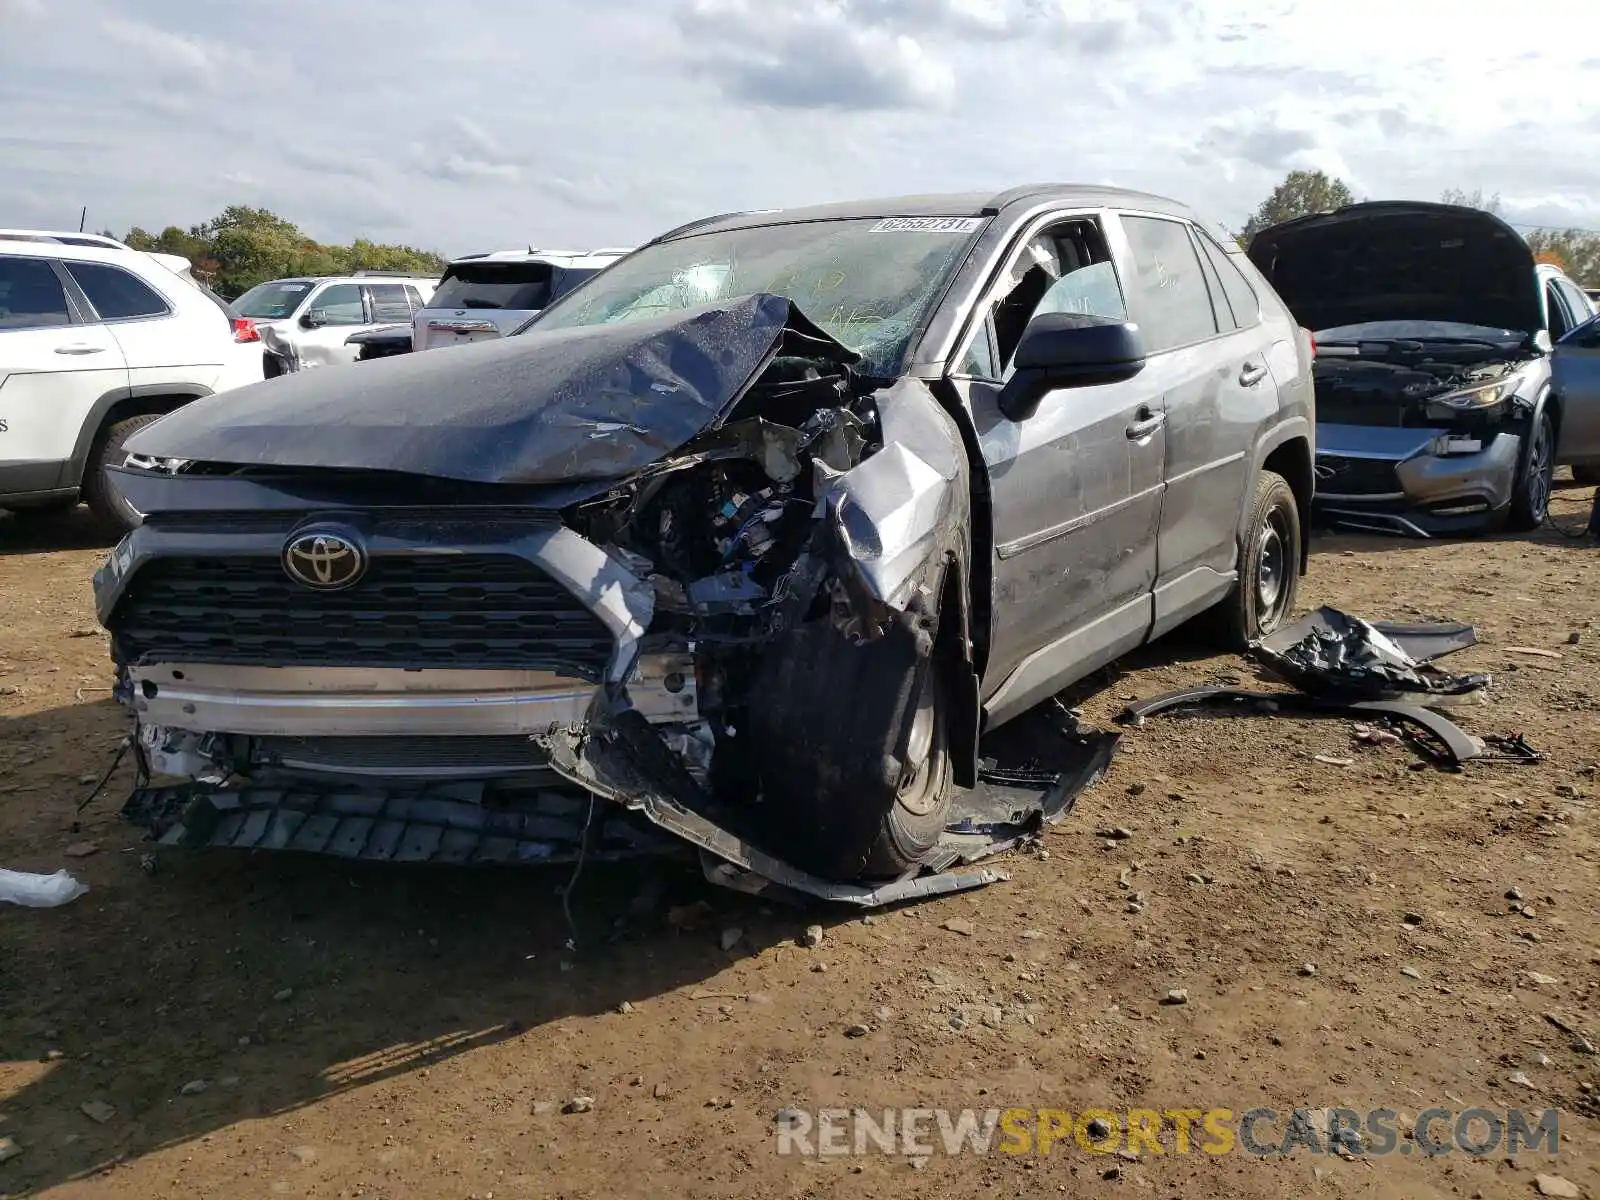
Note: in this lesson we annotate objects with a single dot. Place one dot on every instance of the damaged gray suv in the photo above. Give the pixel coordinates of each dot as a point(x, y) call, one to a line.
point(746, 541)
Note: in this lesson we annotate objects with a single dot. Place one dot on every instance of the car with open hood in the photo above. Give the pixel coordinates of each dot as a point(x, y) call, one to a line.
point(746, 541)
point(1433, 328)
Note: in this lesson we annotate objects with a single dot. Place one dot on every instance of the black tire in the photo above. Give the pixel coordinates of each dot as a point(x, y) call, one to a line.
point(1530, 497)
point(101, 495)
point(921, 809)
point(830, 746)
point(1587, 476)
point(1269, 565)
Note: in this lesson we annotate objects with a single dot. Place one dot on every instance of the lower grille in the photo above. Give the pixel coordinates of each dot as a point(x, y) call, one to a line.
point(409, 757)
point(459, 610)
point(1338, 476)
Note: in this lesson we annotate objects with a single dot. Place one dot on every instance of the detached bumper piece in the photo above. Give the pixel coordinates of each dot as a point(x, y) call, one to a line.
point(1345, 666)
point(454, 823)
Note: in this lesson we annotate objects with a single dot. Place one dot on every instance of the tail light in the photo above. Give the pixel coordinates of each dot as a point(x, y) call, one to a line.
point(244, 330)
point(1311, 340)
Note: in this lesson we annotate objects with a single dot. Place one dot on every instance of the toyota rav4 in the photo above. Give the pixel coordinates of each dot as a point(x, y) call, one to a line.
point(750, 536)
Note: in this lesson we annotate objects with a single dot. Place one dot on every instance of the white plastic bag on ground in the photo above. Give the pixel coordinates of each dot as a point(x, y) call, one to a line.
point(39, 891)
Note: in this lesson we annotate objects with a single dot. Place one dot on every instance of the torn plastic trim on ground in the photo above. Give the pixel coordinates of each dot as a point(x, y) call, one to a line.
point(1334, 654)
point(1030, 779)
point(1446, 744)
point(619, 757)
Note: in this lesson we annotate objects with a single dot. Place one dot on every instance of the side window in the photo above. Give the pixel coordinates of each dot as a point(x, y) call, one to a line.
point(1241, 296)
point(415, 298)
point(340, 304)
point(389, 302)
point(1577, 303)
point(1065, 268)
point(1560, 320)
point(1168, 290)
point(1221, 306)
point(117, 295)
point(31, 297)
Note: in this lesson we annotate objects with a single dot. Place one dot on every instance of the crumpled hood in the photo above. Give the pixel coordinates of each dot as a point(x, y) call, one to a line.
point(593, 403)
point(1401, 261)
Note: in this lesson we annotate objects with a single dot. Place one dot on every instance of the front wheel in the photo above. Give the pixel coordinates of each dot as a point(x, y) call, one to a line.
point(1530, 498)
point(1269, 565)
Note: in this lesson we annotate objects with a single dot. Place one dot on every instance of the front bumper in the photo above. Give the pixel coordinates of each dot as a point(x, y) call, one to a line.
point(1397, 481)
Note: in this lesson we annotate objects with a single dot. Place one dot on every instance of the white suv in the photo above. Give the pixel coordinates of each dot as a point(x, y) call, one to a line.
point(308, 322)
point(486, 296)
point(96, 341)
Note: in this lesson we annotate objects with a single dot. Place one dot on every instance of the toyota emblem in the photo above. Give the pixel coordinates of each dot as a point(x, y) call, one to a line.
point(325, 561)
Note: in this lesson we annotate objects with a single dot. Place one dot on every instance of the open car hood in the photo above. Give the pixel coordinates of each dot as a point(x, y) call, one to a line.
point(560, 406)
point(1401, 261)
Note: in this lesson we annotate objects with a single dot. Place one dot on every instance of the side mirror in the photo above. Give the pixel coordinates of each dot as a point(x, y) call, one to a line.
point(1060, 350)
point(315, 319)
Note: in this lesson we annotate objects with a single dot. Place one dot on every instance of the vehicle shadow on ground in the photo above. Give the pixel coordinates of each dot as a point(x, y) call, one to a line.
point(282, 980)
point(75, 529)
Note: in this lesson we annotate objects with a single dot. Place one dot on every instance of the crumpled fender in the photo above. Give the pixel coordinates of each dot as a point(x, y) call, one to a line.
point(900, 515)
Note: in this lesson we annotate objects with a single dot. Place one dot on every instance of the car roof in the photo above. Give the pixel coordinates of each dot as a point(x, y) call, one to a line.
point(944, 204)
point(600, 257)
point(62, 237)
point(100, 252)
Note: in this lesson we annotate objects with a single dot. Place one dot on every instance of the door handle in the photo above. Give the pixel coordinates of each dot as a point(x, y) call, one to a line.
point(1252, 374)
point(79, 348)
point(1145, 423)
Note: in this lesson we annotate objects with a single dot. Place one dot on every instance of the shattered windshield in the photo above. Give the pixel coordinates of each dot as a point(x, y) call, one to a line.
point(869, 282)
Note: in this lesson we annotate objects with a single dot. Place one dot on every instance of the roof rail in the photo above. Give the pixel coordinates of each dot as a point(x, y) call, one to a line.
point(364, 273)
point(612, 250)
point(693, 225)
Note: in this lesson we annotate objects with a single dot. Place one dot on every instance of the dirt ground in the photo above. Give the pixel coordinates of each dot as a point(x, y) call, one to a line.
point(391, 1032)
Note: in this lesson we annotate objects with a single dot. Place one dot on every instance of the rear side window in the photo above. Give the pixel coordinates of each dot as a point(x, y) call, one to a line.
point(1241, 296)
point(31, 297)
point(415, 297)
point(1168, 290)
point(510, 285)
point(116, 294)
point(389, 302)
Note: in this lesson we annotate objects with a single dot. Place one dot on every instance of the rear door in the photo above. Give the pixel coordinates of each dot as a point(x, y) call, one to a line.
point(1211, 368)
point(482, 300)
point(56, 365)
point(163, 346)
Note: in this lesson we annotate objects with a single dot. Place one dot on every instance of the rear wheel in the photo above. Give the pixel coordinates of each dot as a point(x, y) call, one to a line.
point(1530, 499)
point(1269, 565)
point(1587, 476)
point(101, 494)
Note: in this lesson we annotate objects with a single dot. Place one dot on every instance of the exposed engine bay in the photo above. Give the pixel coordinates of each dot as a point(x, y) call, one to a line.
point(737, 640)
point(1391, 384)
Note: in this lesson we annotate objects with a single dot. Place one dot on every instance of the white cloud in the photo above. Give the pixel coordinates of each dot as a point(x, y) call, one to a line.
point(600, 121)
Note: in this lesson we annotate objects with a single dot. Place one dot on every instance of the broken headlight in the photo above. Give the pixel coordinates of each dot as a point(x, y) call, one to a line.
point(1486, 400)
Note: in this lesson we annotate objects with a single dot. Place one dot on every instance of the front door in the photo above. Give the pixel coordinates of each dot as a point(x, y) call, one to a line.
point(338, 310)
point(1076, 487)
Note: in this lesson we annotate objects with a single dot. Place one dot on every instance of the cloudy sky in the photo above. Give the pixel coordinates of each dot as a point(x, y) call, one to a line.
point(463, 126)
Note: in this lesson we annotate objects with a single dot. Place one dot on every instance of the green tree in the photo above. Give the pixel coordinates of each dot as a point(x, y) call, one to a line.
point(243, 246)
point(1576, 251)
point(1301, 194)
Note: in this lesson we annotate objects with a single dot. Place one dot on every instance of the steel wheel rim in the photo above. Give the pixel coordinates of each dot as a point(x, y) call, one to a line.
point(914, 794)
point(1271, 572)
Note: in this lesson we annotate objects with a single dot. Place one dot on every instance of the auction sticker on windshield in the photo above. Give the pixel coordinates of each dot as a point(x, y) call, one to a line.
point(927, 225)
